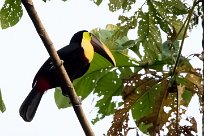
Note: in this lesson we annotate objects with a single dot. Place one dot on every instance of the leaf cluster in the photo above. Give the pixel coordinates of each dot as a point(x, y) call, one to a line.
point(138, 85)
point(152, 87)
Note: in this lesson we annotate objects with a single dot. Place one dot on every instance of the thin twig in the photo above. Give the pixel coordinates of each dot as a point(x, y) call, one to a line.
point(66, 84)
point(183, 38)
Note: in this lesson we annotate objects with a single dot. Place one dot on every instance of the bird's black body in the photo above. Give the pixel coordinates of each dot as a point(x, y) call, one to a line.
point(76, 64)
point(68, 54)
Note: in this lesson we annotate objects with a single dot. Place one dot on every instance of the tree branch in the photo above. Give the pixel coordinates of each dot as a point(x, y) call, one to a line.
point(66, 84)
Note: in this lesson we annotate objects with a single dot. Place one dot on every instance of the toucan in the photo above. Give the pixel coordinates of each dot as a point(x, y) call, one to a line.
point(76, 58)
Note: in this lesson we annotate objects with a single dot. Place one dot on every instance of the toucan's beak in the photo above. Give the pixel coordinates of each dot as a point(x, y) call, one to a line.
point(102, 50)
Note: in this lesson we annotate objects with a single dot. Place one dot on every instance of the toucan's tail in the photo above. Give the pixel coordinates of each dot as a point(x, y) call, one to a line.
point(30, 105)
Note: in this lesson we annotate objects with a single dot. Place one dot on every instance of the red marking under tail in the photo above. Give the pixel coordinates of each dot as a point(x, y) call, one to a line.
point(42, 84)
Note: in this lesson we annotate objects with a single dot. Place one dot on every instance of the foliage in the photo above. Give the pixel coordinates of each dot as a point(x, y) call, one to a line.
point(146, 82)
point(153, 88)
point(145, 86)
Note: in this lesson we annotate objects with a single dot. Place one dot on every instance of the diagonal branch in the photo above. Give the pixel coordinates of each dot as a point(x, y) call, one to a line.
point(66, 84)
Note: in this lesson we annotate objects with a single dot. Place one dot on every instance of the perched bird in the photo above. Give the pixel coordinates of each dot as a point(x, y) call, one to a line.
point(76, 59)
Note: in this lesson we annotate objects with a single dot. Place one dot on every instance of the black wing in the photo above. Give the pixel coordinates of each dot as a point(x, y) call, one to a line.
point(48, 64)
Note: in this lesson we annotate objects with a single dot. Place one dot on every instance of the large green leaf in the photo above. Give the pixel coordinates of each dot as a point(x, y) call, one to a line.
point(10, 13)
point(148, 102)
point(150, 37)
point(111, 84)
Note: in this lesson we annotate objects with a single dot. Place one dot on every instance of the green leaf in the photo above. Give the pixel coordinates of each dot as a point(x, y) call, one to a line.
point(97, 2)
point(127, 23)
point(157, 10)
point(148, 92)
point(60, 100)
point(85, 85)
point(11, 13)
point(111, 84)
point(115, 5)
point(107, 87)
point(187, 96)
point(2, 105)
point(99, 68)
point(164, 11)
point(150, 37)
point(176, 7)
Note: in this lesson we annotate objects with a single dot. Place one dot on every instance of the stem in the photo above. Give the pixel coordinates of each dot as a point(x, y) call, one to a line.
point(182, 42)
point(66, 85)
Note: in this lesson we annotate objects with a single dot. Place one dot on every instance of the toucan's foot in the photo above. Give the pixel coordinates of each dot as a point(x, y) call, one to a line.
point(78, 103)
point(52, 65)
point(62, 62)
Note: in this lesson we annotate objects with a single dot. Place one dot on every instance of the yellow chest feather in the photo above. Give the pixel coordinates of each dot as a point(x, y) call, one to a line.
point(88, 49)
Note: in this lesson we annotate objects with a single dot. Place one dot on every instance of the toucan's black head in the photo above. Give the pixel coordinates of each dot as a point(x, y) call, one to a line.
point(77, 37)
point(91, 44)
